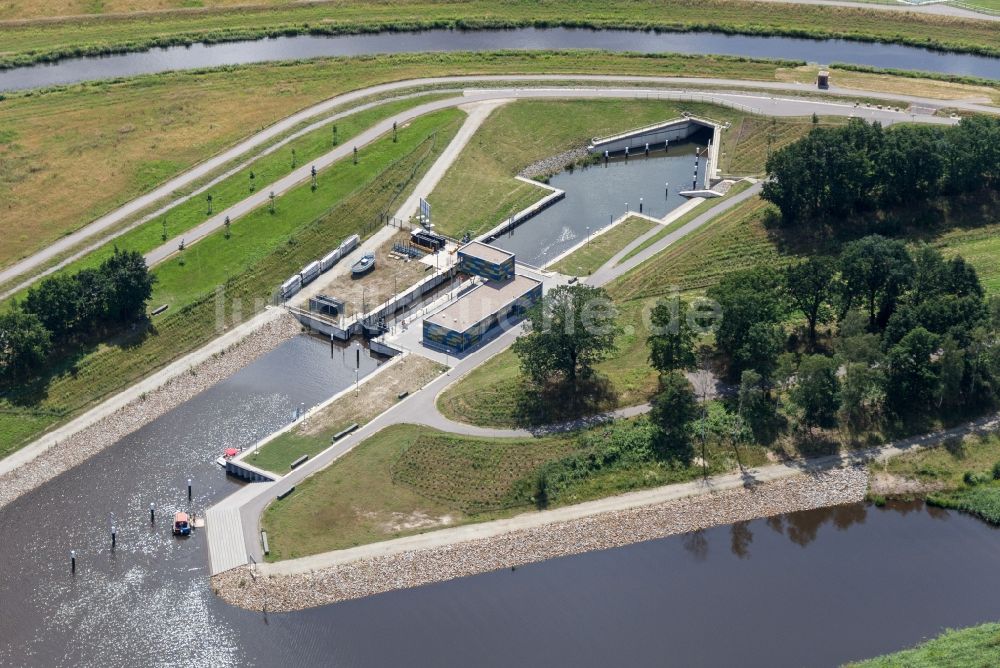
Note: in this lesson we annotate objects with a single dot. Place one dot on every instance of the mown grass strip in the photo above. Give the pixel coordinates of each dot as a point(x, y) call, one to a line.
point(109, 368)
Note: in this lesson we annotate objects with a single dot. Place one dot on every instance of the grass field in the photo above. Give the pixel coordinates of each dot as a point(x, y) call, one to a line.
point(109, 368)
point(45, 40)
point(266, 169)
point(314, 434)
point(479, 190)
point(408, 479)
point(975, 646)
point(686, 218)
point(79, 152)
point(591, 256)
point(735, 240)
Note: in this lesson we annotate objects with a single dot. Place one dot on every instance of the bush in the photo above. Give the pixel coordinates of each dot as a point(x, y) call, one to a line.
point(996, 471)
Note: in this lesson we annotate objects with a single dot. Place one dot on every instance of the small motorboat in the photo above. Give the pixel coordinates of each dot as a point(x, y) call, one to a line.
point(364, 265)
point(182, 524)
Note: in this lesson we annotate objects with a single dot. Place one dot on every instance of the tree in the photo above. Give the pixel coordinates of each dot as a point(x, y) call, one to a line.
point(56, 302)
point(130, 285)
point(755, 406)
point(862, 396)
point(816, 390)
point(674, 408)
point(671, 346)
point(760, 349)
point(751, 309)
point(912, 377)
point(24, 345)
point(875, 270)
point(572, 328)
point(809, 286)
point(952, 373)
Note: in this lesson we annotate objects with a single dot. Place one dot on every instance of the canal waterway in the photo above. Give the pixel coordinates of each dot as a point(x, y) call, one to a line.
point(598, 194)
point(198, 56)
point(147, 602)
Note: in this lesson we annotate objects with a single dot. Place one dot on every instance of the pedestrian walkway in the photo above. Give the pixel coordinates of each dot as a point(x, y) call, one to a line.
point(224, 530)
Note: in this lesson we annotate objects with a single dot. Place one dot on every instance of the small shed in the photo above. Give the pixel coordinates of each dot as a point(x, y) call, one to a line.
point(823, 79)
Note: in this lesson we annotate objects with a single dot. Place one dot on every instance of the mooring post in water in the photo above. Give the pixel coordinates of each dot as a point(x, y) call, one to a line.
point(114, 537)
point(189, 489)
point(357, 358)
point(152, 513)
point(626, 207)
point(666, 145)
point(72, 561)
point(626, 153)
point(640, 205)
point(647, 149)
point(666, 189)
point(605, 157)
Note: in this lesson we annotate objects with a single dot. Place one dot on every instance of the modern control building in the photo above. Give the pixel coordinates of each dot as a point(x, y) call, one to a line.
point(479, 259)
point(462, 324)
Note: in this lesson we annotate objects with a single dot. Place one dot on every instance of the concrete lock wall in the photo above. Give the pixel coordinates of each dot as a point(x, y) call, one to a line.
point(654, 135)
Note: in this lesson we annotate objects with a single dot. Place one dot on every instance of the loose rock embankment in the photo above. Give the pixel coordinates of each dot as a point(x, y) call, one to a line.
point(141, 411)
point(375, 575)
point(555, 163)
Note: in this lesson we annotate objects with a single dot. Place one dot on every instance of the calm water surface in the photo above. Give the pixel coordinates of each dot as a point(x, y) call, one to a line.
point(308, 46)
point(598, 194)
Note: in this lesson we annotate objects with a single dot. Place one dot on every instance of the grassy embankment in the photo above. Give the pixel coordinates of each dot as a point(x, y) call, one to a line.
point(266, 170)
point(496, 393)
point(263, 249)
point(409, 479)
point(963, 474)
point(517, 135)
point(47, 40)
point(597, 251)
point(974, 646)
point(314, 434)
point(675, 225)
point(479, 189)
point(106, 143)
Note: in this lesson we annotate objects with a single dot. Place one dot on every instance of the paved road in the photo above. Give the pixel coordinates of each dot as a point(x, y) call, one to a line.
point(751, 98)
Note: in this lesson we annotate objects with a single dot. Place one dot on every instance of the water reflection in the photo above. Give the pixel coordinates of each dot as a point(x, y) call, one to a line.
point(311, 46)
point(802, 528)
point(598, 194)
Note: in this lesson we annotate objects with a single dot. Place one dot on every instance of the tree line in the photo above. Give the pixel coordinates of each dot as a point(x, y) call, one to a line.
point(66, 310)
point(860, 167)
point(877, 338)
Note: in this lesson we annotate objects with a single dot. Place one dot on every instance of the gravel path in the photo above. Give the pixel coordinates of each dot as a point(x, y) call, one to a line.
point(377, 574)
point(144, 409)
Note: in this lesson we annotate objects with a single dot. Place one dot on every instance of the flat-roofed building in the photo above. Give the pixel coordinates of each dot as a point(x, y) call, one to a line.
point(462, 324)
point(478, 259)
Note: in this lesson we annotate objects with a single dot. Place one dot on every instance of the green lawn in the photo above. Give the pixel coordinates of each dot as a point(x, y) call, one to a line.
point(42, 40)
point(479, 190)
point(109, 368)
point(596, 252)
point(333, 183)
point(496, 394)
point(409, 479)
point(685, 219)
point(315, 434)
point(735, 240)
point(978, 646)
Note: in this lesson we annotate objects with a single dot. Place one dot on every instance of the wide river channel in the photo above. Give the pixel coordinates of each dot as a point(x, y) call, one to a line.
point(308, 46)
